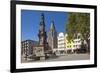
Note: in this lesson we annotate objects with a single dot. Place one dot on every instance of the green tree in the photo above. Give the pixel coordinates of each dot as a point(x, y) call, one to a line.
point(79, 23)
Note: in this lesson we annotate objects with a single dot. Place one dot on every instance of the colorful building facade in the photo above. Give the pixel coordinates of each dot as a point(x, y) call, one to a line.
point(69, 45)
point(74, 44)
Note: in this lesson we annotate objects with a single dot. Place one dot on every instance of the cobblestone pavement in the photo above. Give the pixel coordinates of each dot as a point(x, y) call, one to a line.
point(68, 57)
point(71, 57)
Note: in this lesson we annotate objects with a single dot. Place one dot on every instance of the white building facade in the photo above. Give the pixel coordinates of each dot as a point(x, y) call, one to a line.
point(77, 43)
point(61, 50)
point(61, 40)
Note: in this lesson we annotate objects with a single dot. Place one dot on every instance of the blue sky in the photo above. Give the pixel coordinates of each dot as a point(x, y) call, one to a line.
point(30, 20)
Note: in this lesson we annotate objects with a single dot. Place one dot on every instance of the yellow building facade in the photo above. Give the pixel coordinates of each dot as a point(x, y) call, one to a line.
point(69, 45)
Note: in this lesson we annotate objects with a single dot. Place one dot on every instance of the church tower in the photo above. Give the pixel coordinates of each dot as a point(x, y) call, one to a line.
point(52, 36)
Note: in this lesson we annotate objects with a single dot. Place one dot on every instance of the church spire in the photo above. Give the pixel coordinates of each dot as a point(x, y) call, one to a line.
point(52, 36)
point(52, 26)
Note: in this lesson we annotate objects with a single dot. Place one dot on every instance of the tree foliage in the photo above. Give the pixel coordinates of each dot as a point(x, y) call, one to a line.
point(78, 23)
